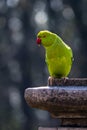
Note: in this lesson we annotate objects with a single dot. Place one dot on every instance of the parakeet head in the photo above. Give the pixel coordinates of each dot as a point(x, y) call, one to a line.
point(46, 38)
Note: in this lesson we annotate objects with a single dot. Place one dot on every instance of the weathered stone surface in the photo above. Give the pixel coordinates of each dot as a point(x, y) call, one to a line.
point(67, 81)
point(75, 122)
point(68, 103)
point(64, 102)
point(61, 128)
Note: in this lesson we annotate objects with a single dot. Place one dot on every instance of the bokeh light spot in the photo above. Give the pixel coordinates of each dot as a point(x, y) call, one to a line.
point(68, 13)
point(12, 3)
point(41, 17)
point(56, 5)
point(15, 24)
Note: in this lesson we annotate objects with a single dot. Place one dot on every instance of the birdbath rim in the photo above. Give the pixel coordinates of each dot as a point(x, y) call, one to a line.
point(64, 102)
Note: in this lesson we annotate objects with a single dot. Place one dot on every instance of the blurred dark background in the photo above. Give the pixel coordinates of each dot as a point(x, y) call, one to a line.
point(22, 62)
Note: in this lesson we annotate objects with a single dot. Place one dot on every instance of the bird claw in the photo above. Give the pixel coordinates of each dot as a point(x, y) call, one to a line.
point(64, 79)
point(50, 80)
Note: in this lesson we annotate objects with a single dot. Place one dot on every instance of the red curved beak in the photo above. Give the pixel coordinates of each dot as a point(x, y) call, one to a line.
point(38, 41)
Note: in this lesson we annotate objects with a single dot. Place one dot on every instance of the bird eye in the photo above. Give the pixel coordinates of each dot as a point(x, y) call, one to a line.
point(44, 36)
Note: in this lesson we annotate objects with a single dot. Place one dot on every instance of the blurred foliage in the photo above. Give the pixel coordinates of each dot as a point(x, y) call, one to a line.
point(22, 62)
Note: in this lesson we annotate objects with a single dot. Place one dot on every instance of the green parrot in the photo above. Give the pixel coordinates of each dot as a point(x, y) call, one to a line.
point(59, 55)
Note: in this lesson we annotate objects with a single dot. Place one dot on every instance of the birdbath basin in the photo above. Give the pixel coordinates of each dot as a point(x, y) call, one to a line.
point(65, 99)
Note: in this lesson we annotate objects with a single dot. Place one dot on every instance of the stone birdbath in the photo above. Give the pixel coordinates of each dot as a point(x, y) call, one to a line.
point(65, 99)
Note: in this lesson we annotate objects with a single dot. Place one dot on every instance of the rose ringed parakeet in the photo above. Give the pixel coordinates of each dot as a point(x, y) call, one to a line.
point(59, 55)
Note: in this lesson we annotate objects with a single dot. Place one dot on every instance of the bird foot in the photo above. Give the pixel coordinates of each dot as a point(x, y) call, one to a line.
point(50, 80)
point(64, 79)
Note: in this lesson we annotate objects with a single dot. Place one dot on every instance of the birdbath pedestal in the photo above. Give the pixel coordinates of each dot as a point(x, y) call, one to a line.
point(65, 99)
